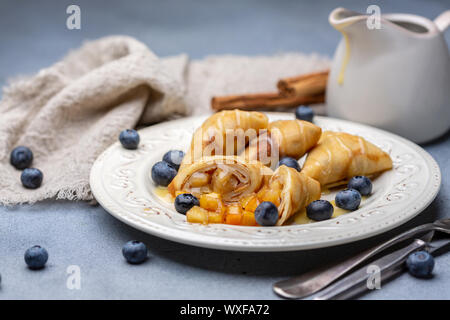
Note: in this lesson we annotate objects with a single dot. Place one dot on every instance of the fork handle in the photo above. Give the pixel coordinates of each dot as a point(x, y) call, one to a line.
point(314, 281)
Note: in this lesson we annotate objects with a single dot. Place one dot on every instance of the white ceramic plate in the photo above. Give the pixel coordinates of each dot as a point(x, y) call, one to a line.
point(121, 183)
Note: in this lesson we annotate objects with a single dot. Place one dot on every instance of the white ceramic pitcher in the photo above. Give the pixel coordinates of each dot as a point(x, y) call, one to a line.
point(396, 77)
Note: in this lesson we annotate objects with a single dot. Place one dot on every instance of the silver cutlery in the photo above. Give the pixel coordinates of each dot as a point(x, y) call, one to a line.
point(389, 266)
point(316, 280)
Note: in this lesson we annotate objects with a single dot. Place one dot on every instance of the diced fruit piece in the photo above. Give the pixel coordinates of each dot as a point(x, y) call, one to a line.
point(420, 264)
point(129, 139)
point(163, 173)
point(248, 219)
point(234, 219)
point(348, 199)
point(199, 179)
point(319, 210)
point(304, 113)
point(289, 162)
point(266, 214)
point(21, 157)
point(215, 217)
point(184, 202)
point(362, 184)
point(197, 215)
point(174, 158)
point(250, 202)
point(135, 252)
point(234, 209)
point(212, 202)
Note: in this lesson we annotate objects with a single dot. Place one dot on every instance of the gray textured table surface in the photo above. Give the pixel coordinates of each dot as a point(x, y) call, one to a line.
point(33, 35)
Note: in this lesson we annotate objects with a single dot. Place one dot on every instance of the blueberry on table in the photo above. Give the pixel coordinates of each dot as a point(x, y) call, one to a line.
point(31, 178)
point(129, 139)
point(319, 210)
point(135, 252)
point(289, 162)
point(362, 184)
point(163, 173)
point(420, 264)
point(21, 157)
point(174, 158)
point(266, 214)
point(36, 257)
point(348, 199)
point(185, 201)
point(304, 113)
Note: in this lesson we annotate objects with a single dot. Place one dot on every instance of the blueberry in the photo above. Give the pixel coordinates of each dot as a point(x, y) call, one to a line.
point(129, 139)
point(304, 113)
point(319, 210)
point(21, 157)
point(266, 214)
point(31, 178)
point(361, 184)
point(184, 202)
point(174, 158)
point(135, 252)
point(289, 162)
point(420, 264)
point(348, 199)
point(163, 173)
point(36, 257)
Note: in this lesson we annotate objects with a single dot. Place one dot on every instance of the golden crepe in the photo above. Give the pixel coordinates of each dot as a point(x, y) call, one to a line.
point(229, 176)
point(225, 133)
point(285, 138)
point(340, 156)
point(291, 191)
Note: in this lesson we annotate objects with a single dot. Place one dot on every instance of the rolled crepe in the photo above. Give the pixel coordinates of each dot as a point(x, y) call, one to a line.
point(340, 156)
point(285, 138)
point(225, 133)
point(294, 189)
point(229, 176)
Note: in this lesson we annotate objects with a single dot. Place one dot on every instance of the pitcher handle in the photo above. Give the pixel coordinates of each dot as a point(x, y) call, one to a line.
point(443, 20)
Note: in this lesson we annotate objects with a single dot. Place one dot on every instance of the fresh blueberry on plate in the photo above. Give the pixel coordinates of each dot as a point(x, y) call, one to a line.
point(266, 214)
point(21, 157)
point(129, 139)
point(319, 210)
point(36, 257)
point(420, 264)
point(362, 184)
point(163, 173)
point(289, 162)
point(348, 199)
point(135, 252)
point(184, 202)
point(31, 178)
point(304, 113)
point(174, 158)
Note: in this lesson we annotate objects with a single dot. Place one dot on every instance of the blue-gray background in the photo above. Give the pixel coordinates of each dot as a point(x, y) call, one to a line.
point(33, 35)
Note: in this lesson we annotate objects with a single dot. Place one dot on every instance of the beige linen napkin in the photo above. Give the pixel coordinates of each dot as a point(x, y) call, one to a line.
point(72, 111)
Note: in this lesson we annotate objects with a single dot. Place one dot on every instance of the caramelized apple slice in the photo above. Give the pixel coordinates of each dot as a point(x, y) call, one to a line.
point(212, 202)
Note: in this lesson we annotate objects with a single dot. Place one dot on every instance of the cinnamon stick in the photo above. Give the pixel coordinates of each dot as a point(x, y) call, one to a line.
point(304, 85)
point(263, 100)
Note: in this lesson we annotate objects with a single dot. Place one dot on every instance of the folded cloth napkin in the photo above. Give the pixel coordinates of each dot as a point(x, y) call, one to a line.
point(69, 113)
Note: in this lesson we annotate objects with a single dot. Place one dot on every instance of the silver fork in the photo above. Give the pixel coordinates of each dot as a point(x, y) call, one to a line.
point(314, 281)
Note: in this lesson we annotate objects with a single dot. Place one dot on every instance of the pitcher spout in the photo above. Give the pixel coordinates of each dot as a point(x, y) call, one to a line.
point(342, 19)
